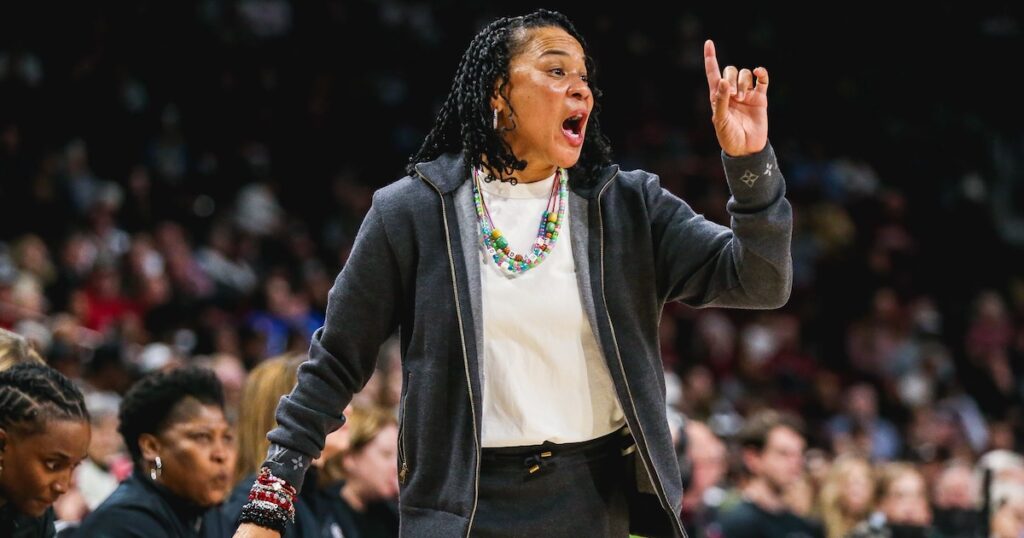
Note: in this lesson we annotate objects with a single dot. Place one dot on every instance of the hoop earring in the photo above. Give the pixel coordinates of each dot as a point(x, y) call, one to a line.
point(157, 469)
point(495, 119)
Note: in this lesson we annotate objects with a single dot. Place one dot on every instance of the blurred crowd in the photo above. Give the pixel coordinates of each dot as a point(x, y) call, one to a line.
point(180, 187)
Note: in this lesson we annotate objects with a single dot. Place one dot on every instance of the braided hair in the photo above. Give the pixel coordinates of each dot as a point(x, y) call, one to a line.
point(31, 394)
point(464, 122)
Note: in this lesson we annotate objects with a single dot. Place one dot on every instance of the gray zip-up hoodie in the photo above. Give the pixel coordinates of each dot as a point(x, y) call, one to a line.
point(414, 266)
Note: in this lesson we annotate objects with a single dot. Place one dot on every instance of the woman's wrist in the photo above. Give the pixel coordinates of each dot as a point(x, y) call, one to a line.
point(271, 502)
point(251, 530)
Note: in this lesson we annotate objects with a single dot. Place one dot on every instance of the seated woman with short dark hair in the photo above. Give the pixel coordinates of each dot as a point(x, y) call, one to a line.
point(184, 452)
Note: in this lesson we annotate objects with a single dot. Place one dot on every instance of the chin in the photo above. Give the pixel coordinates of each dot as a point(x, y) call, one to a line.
point(34, 508)
point(569, 160)
point(213, 496)
point(211, 500)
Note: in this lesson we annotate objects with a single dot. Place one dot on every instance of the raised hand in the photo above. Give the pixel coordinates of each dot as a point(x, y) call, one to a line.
point(739, 108)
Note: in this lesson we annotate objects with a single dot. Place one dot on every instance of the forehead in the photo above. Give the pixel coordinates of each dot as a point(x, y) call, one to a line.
point(68, 437)
point(550, 41)
point(784, 437)
point(908, 483)
point(956, 475)
point(190, 411)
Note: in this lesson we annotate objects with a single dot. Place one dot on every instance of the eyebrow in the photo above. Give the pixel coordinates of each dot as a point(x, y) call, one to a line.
point(207, 428)
point(557, 52)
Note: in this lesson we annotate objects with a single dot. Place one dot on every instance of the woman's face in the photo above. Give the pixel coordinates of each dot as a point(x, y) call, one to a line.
point(373, 471)
point(197, 452)
point(551, 98)
point(858, 490)
point(906, 501)
point(106, 443)
point(37, 468)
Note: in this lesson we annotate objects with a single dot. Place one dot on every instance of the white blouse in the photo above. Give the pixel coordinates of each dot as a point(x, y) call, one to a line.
point(544, 375)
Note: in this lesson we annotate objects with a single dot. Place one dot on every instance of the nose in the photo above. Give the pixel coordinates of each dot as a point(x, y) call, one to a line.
point(62, 484)
point(220, 451)
point(580, 89)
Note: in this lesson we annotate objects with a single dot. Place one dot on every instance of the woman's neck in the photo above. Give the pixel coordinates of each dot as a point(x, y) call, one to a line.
point(531, 174)
point(351, 496)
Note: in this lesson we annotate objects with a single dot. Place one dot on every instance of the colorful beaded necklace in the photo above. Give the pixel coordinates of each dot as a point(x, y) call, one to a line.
point(496, 244)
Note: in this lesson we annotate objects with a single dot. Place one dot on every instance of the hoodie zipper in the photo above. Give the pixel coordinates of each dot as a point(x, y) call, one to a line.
point(403, 471)
point(465, 355)
point(643, 453)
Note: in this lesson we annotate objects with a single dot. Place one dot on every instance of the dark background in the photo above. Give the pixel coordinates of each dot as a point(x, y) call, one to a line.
point(900, 135)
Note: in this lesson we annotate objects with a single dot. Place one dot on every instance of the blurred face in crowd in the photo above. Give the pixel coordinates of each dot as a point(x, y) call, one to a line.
point(905, 501)
point(37, 467)
point(862, 402)
point(780, 463)
point(707, 453)
point(197, 452)
point(956, 502)
point(106, 442)
point(818, 464)
point(372, 472)
point(956, 488)
point(550, 100)
point(858, 490)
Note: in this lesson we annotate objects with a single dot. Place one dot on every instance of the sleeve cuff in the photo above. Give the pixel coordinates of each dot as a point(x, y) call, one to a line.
point(287, 464)
point(753, 179)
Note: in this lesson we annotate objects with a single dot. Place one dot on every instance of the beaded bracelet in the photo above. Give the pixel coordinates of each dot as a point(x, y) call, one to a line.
point(271, 502)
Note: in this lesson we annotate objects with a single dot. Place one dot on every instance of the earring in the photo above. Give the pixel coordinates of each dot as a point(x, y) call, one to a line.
point(495, 119)
point(157, 469)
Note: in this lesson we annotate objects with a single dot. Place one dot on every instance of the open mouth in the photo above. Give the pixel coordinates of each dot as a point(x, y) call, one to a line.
point(572, 127)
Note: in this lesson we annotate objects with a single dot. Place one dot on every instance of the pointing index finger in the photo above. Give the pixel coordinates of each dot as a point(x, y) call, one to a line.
point(711, 66)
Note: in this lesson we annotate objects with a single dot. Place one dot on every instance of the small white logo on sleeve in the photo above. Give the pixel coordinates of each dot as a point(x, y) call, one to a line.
point(276, 452)
point(749, 178)
point(768, 169)
point(296, 462)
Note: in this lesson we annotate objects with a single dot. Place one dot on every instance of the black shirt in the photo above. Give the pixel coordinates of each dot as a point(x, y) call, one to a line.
point(338, 519)
point(748, 520)
point(14, 524)
point(141, 508)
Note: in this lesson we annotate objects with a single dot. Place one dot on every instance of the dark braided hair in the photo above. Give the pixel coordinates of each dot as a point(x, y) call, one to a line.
point(464, 122)
point(31, 394)
point(149, 405)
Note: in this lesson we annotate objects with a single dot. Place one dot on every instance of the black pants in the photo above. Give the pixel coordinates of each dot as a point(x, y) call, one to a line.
point(555, 490)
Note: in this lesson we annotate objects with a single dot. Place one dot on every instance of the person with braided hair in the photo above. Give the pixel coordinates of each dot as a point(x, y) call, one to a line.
point(44, 435)
point(527, 274)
